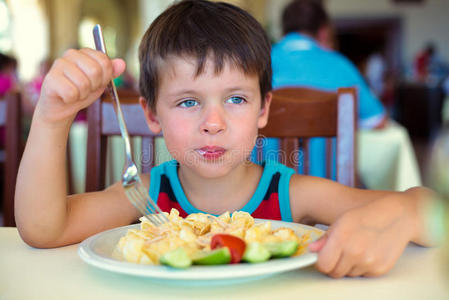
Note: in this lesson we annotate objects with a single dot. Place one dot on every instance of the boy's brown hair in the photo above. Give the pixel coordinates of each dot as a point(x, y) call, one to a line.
point(202, 30)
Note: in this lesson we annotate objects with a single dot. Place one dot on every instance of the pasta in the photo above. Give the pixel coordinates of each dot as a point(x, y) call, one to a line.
point(147, 244)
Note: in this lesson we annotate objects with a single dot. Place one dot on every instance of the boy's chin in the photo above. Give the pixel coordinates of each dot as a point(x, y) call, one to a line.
point(210, 169)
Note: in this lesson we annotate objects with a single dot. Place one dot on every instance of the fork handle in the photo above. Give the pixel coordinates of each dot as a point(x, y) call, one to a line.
point(100, 46)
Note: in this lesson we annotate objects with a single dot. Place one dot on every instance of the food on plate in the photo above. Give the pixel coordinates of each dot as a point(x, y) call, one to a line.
point(235, 245)
point(218, 256)
point(255, 253)
point(281, 249)
point(208, 240)
point(177, 258)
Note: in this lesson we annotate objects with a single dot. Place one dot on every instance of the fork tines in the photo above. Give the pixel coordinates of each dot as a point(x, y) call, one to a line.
point(142, 201)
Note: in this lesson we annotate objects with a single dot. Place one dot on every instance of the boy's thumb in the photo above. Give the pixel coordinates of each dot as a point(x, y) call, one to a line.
point(318, 244)
point(119, 66)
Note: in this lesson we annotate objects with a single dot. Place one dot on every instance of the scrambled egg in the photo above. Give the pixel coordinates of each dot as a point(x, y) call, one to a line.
point(194, 233)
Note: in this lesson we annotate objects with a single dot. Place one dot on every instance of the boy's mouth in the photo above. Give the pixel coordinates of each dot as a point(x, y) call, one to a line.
point(211, 152)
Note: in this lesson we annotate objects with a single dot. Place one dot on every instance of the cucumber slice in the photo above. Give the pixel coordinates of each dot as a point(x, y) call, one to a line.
point(255, 252)
point(218, 256)
point(177, 258)
point(282, 249)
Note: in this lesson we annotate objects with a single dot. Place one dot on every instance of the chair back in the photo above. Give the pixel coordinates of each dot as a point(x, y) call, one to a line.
point(10, 116)
point(102, 123)
point(298, 114)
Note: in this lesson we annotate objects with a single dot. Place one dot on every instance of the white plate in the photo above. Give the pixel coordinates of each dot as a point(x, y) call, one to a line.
point(97, 251)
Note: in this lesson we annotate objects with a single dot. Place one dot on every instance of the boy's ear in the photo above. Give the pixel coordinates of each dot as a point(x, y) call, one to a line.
point(264, 111)
point(150, 116)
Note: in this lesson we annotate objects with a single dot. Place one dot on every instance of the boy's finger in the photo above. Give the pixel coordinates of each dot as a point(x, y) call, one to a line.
point(318, 244)
point(356, 271)
point(79, 79)
point(89, 66)
point(67, 91)
point(103, 61)
point(92, 97)
point(342, 268)
point(118, 66)
point(329, 254)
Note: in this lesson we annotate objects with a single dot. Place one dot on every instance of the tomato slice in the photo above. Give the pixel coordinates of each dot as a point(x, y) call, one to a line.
point(235, 245)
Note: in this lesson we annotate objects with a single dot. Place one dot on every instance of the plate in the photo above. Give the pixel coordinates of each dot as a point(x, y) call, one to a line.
point(97, 251)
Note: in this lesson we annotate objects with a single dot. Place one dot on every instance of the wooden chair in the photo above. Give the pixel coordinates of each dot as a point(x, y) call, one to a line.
point(10, 116)
point(298, 114)
point(102, 123)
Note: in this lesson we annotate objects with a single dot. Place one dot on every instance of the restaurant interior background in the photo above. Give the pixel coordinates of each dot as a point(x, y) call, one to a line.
point(394, 32)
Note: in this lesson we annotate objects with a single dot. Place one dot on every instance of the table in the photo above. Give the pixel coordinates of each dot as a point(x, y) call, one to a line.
point(386, 159)
point(28, 273)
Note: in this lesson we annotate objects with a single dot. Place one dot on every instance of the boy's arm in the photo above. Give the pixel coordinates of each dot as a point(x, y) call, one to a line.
point(45, 215)
point(368, 229)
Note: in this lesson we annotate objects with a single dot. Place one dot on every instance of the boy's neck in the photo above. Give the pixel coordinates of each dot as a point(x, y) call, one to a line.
point(218, 195)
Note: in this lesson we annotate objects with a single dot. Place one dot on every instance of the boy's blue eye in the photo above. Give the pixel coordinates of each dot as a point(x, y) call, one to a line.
point(235, 100)
point(188, 103)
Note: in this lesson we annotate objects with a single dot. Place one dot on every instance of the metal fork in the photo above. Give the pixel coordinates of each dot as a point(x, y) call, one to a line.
point(131, 182)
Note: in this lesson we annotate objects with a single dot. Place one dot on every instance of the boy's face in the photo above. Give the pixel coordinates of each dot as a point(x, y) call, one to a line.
point(209, 121)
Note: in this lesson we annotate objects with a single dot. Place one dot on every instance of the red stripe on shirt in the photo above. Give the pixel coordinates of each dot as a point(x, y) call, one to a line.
point(165, 204)
point(269, 209)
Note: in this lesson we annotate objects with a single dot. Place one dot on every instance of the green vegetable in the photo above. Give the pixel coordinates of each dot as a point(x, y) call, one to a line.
point(256, 252)
point(282, 249)
point(177, 258)
point(218, 256)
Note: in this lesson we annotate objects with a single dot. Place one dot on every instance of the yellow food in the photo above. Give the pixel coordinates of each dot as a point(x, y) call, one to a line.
point(193, 233)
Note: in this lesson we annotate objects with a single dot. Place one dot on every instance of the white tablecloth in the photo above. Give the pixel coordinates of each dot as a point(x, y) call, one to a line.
point(47, 274)
point(386, 159)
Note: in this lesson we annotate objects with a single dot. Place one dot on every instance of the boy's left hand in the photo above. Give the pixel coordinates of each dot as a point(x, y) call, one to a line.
point(365, 241)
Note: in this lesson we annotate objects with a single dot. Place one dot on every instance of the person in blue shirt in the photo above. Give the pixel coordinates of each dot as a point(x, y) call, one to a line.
point(303, 58)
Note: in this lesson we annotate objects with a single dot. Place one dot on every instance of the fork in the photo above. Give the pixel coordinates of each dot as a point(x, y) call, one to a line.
point(131, 182)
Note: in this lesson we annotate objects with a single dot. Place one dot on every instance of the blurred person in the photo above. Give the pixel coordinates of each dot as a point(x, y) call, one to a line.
point(428, 65)
point(423, 61)
point(8, 74)
point(381, 80)
point(375, 71)
point(303, 57)
point(305, 45)
point(8, 82)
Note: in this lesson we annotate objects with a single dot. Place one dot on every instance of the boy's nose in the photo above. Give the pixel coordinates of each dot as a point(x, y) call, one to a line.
point(213, 122)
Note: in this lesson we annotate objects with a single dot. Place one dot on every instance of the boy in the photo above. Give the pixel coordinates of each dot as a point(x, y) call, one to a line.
point(205, 83)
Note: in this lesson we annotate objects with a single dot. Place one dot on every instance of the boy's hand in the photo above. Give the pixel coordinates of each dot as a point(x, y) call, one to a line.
point(365, 241)
point(74, 81)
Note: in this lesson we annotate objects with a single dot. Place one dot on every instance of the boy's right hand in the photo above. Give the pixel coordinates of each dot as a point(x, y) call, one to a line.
point(75, 81)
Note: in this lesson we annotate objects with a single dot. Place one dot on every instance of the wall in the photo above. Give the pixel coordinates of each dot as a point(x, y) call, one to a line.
point(29, 35)
point(424, 22)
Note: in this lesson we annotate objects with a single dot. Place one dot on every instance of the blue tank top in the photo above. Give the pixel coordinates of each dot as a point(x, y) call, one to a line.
point(271, 200)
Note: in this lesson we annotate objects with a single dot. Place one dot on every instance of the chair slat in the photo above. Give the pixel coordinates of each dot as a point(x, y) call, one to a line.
point(306, 149)
point(346, 137)
point(11, 105)
point(328, 157)
point(288, 146)
point(3, 108)
point(148, 154)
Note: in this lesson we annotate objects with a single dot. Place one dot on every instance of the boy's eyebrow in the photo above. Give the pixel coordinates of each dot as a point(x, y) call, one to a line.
point(228, 90)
